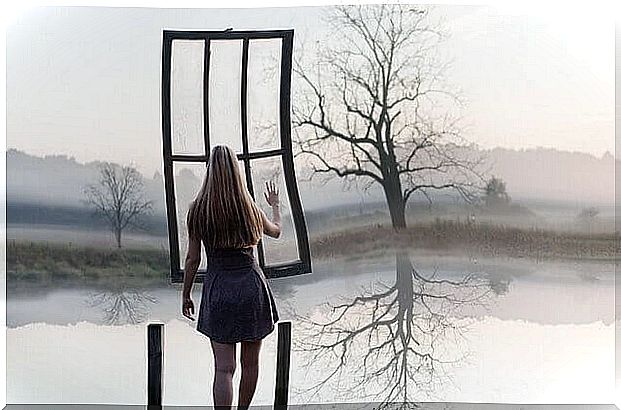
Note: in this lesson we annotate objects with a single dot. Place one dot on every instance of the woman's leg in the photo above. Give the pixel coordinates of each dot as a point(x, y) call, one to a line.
point(224, 357)
point(250, 372)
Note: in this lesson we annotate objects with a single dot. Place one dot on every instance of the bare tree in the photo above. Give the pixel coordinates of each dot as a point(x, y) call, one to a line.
point(373, 108)
point(366, 108)
point(118, 197)
point(395, 341)
point(122, 304)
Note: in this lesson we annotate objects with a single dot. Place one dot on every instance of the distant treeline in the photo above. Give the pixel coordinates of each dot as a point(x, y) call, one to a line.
point(67, 216)
point(317, 221)
point(156, 223)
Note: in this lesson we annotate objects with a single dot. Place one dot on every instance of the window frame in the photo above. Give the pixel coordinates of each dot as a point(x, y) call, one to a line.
point(300, 266)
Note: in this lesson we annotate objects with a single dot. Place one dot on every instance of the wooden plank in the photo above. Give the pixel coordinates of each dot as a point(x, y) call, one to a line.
point(171, 206)
point(240, 156)
point(223, 34)
point(297, 212)
point(206, 68)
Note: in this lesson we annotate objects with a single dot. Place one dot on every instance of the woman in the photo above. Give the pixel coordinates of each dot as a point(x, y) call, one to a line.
point(237, 304)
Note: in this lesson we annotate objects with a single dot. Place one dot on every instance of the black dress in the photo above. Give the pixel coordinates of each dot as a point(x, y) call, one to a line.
point(236, 302)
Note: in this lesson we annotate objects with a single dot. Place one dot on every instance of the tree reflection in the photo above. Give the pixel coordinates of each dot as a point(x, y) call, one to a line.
point(122, 305)
point(391, 342)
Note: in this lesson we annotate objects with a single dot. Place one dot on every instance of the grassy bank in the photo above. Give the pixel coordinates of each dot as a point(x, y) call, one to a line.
point(445, 236)
point(50, 263)
point(54, 263)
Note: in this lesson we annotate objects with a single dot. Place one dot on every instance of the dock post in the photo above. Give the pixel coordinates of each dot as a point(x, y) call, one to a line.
point(155, 361)
point(281, 395)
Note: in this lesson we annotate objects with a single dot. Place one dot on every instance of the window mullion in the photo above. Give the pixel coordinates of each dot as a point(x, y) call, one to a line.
point(206, 96)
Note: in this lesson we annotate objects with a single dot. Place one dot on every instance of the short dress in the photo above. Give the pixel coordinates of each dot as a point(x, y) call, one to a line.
point(237, 303)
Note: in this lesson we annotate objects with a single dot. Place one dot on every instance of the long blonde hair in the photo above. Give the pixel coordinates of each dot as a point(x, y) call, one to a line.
point(224, 214)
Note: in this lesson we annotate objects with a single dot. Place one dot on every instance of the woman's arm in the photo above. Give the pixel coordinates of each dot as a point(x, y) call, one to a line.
point(192, 262)
point(272, 228)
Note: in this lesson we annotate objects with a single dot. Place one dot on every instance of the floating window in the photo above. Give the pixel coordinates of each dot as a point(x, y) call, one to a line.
point(231, 87)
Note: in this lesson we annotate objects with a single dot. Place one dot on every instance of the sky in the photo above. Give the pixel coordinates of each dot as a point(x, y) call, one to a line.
point(85, 81)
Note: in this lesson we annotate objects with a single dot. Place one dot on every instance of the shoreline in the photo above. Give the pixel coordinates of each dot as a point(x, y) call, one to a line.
point(44, 263)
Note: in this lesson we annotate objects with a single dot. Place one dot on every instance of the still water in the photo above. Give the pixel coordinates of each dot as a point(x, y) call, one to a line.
point(445, 328)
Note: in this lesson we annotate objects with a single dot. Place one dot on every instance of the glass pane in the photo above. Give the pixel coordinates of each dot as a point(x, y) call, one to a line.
point(188, 180)
point(264, 94)
point(186, 97)
point(225, 93)
point(284, 248)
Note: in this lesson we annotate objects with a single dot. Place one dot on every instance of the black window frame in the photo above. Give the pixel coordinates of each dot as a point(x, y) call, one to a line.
point(292, 268)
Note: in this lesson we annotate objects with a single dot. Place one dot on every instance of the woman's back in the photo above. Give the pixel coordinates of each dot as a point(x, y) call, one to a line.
point(237, 304)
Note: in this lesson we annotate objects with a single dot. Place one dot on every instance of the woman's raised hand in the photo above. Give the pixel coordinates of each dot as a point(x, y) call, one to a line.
point(271, 196)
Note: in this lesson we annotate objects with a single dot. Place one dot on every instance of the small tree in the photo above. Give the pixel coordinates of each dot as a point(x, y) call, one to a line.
point(588, 213)
point(496, 192)
point(587, 217)
point(118, 197)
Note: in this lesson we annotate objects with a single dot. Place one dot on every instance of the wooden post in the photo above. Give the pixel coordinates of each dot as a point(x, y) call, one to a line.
point(155, 361)
point(282, 365)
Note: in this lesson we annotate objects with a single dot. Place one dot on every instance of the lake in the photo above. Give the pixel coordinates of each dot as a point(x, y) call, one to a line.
point(516, 331)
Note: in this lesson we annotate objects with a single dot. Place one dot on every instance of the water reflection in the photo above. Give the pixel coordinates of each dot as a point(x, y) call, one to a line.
point(122, 304)
point(392, 341)
point(531, 321)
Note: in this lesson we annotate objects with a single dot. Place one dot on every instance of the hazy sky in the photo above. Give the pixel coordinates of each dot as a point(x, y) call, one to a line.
point(85, 81)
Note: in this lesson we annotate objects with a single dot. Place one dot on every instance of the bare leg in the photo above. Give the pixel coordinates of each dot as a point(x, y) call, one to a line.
point(250, 372)
point(224, 357)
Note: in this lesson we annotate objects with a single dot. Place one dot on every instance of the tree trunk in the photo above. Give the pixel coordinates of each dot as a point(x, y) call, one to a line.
point(396, 205)
point(405, 295)
point(405, 284)
point(118, 237)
